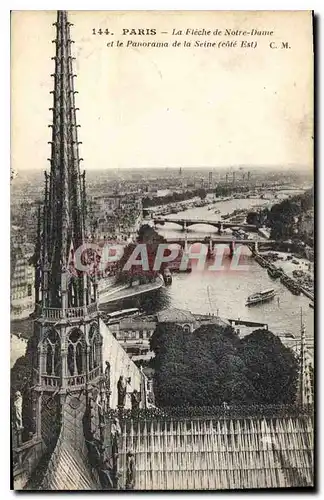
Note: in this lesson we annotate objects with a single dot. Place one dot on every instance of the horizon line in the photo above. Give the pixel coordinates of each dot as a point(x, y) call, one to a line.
point(188, 167)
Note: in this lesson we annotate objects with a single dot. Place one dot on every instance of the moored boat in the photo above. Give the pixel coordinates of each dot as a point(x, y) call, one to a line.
point(117, 316)
point(263, 296)
point(179, 270)
point(291, 284)
point(167, 276)
point(274, 272)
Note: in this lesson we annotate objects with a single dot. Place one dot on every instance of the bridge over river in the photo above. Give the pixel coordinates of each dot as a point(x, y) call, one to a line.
point(220, 225)
point(254, 244)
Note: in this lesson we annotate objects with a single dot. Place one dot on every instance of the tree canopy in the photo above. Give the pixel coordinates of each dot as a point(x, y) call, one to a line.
point(151, 239)
point(284, 218)
point(212, 365)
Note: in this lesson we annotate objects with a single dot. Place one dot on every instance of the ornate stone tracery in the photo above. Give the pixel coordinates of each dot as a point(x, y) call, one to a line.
point(76, 353)
point(94, 347)
point(52, 348)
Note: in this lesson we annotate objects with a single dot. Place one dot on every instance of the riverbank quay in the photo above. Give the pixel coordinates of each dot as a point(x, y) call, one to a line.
point(285, 275)
point(168, 208)
point(126, 292)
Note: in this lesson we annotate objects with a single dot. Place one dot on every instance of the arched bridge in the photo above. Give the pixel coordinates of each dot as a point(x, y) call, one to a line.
point(220, 225)
point(253, 244)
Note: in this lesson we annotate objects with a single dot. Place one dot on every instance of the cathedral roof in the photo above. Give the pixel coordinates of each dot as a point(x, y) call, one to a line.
point(221, 454)
point(68, 467)
point(69, 470)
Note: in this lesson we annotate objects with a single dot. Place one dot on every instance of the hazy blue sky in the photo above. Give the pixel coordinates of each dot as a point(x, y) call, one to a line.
point(157, 107)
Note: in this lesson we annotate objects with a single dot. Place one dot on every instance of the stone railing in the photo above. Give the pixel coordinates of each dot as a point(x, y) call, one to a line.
point(72, 381)
point(51, 380)
point(70, 313)
point(75, 380)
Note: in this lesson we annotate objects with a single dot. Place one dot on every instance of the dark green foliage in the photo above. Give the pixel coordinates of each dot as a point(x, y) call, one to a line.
point(20, 374)
point(151, 239)
point(271, 366)
point(281, 219)
point(252, 218)
point(257, 218)
point(202, 193)
point(171, 198)
point(228, 189)
point(284, 218)
point(212, 365)
point(147, 234)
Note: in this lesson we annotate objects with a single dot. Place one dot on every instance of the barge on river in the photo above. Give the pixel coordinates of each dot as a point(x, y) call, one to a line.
point(291, 284)
point(274, 272)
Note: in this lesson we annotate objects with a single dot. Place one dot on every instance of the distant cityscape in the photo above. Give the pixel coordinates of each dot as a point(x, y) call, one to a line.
point(118, 203)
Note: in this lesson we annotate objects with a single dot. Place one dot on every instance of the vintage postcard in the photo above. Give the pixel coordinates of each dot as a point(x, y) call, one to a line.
point(162, 250)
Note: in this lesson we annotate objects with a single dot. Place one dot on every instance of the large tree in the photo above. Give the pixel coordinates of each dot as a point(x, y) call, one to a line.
point(271, 367)
point(282, 217)
point(150, 239)
point(212, 365)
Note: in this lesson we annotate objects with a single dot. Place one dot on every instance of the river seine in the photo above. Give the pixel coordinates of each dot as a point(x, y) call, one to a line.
point(226, 291)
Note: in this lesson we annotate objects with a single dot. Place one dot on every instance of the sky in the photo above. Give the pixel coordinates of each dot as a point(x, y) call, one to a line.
point(168, 107)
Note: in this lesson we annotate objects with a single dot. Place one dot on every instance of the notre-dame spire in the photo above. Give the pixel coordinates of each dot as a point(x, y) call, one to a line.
point(68, 356)
point(63, 227)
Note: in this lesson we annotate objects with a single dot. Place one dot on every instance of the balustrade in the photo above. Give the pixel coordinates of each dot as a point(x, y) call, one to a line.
point(54, 381)
point(52, 313)
point(71, 312)
point(75, 380)
point(75, 312)
point(50, 380)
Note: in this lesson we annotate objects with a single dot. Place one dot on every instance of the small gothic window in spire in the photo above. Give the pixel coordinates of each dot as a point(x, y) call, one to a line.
point(49, 359)
point(52, 350)
point(94, 352)
point(78, 358)
point(76, 351)
point(70, 359)
point(74, 291)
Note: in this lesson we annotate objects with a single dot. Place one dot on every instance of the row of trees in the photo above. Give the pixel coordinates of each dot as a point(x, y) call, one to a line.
point(228, 189)
point(148, 236)
point(212, 365)
point(174, 197)
point(284, 218)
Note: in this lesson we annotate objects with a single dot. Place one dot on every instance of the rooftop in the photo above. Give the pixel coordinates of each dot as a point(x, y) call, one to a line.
point(175, 316)
point(221, 454)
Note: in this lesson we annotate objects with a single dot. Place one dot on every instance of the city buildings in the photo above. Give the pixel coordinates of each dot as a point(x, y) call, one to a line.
point(115, 216)
point(22, 287)
point(134, 334)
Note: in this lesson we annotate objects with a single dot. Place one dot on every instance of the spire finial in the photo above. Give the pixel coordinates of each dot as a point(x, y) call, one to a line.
point(64, 227)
